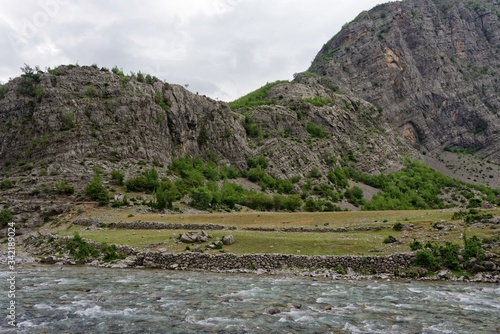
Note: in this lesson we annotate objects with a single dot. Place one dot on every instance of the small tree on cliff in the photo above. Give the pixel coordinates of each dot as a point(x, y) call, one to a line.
point(96, 191)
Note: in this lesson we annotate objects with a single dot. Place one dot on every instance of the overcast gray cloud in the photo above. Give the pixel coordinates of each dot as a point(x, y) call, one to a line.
point(221, 48)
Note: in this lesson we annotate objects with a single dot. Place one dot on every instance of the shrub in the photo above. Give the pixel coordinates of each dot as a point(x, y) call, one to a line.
point(231, 194)
point(427, 259)
point(285, 186)
point(211, 172)
point(258, 201)
point(458, 215)
point(90, 91)
point(68, 121)
point(110, 254)
point(118, 176)
point(148, 182)
point(229, 172)
point(261, 161)
point(96, 191)
point(256, 174)
point(162, 101)
point(311, 205)
point(434, 256)
point(117, 71)
point(316, 130)
point(279, 202)
point(136, 184)
point(140, 77)
point(416, 186)
point(3, 91)
point(338, 177)
point(474, 203)
point(255, 98)
point(315, 173)
point(151, 178)
point(354, 195)
point(398, 226)
point(165, 195)
point(293, 202)
point(201, 198)
point(472, 217)
point(253, 130)
point(472, 248)
point(416, 245)
point(63, 187)
point(5, 217)
point(6, 184)
point(202, 136)
point(449, 254)
point(80, 249)
point(330, 207)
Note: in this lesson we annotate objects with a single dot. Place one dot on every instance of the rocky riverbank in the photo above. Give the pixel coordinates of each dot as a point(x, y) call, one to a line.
point(51, 249)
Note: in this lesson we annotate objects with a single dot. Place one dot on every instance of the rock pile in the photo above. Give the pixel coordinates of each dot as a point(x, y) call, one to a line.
point(140, 225)
point(316, 229)
point(193, 237)
point(87, 221)
point(225, 262)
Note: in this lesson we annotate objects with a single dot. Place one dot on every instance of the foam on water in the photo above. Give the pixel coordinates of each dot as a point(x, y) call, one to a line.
point(103, 300)
point(42, 306)
point(92, 312)
point(127, 279)
point(440, 328)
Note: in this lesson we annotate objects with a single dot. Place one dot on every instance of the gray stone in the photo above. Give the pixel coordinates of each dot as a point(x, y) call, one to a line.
point(228, 240)
point(189, 237)
point(48, 260)
point(273, 310)
point(489, 265)
point(444, 274)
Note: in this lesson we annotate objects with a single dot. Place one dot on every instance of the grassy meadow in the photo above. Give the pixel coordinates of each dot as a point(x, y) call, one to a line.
point(299, 243)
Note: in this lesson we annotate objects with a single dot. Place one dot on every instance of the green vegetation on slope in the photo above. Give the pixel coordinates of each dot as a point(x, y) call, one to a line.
point(417, 186)
point(256, 98)
point(212, 186)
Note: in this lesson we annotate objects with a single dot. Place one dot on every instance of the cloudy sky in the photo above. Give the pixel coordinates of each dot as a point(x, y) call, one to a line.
point(220, 48)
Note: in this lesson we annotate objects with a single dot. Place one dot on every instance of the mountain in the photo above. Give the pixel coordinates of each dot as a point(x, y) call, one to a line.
point(73, 117)
point(405, 81)
point(432, 65)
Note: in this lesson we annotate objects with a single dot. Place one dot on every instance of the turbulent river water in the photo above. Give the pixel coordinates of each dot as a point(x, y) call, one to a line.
point(96, 300)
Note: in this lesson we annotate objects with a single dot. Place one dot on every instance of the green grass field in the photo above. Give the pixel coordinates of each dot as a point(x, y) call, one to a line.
point(303, 243)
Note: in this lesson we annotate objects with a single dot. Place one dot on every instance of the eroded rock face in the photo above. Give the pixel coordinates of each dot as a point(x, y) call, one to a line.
point(66, 122)
point(432, 66)
point(353, 130)
point(83, 113)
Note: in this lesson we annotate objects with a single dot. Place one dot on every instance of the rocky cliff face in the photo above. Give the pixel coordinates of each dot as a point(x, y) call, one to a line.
point(66, 122)
point(432, 65)
point(310, 126)
point(75, 115)
point(421, 73)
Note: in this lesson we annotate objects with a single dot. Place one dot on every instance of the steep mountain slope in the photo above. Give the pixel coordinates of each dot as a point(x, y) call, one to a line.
point(432, 65)
point(75, 113)
point(411, 79)
point(58, 127)
point(300, 126)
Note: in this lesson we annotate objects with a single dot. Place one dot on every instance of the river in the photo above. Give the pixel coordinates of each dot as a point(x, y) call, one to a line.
point(53, 299)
